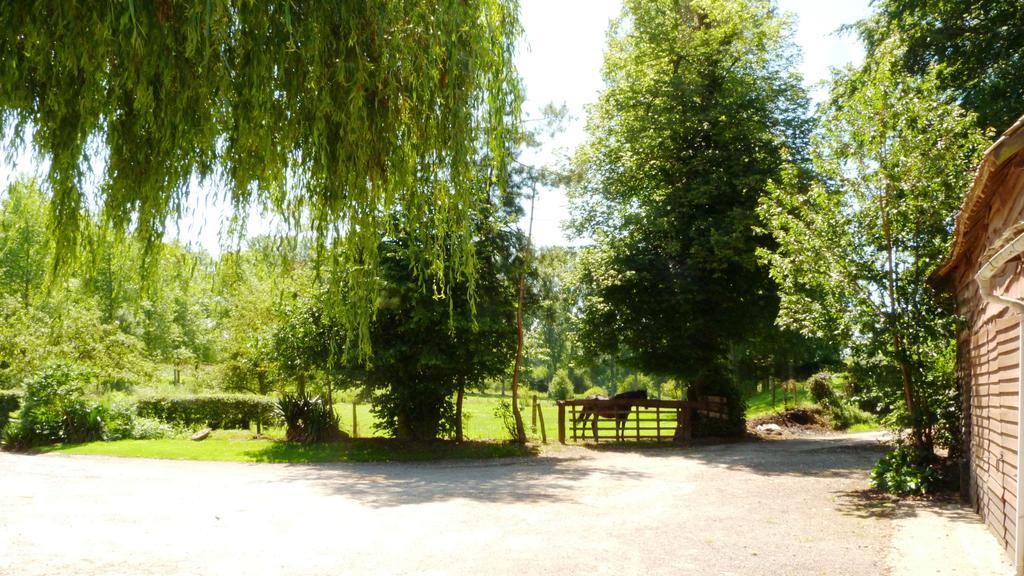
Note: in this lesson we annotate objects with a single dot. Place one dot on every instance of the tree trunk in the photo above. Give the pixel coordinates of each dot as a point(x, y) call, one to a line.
point(516, 414)
point(262, 379)
point(458, 412)
point(894, 319)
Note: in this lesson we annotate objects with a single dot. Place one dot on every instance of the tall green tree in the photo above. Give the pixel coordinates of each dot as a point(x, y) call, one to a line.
point(254, 289)
point(550, 317)
point(429, 350)
point(700, 110)
point(856, 243)
point(349, 120)
point(971, 48)
point(25, 242)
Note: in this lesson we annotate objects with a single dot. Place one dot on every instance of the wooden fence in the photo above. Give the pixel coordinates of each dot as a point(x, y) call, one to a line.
point(644, 420)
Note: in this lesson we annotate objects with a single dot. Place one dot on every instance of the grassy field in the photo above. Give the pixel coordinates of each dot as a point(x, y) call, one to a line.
point(240, 446)
point(480, 422)
point(760, 404)
point(483, 429)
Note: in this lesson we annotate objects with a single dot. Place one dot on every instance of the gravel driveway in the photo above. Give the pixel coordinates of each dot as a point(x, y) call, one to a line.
point(779, 507)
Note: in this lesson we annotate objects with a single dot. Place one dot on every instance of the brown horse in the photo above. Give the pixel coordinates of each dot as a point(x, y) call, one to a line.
point(620, 412)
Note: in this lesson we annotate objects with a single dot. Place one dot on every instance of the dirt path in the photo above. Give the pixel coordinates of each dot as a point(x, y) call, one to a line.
point(785, 507)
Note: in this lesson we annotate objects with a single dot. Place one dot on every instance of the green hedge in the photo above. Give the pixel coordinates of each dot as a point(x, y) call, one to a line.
point(214, 410)
point(10, 400)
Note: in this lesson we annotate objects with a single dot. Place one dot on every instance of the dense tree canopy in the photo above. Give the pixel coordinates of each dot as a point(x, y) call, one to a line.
point(855, 247)
point(701, 109)
point(427, 349)
point(351, 121)
point(974, 48)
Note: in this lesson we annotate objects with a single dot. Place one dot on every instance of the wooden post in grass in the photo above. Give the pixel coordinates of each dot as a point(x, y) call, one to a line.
point(543, 431)
point(561, 423)
point(533, 414)
point(355, 425)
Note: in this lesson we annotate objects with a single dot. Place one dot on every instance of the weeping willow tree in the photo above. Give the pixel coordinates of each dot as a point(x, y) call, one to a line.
point(350, 121)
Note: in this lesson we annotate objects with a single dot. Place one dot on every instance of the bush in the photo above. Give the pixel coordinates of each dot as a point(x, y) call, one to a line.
point(595, 391)
point(905, 472)
point(309, 419)
point(820, 386)
point(119, 418)
point(10, 401)
point(53, 409)
point(151, 429)
point(503, 412)
point(842, 413)
point(560, 387)
point(418, 410)
point(121, 422)
point(213, 410)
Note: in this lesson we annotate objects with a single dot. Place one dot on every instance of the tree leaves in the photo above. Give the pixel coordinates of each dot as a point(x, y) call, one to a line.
point(700, 109)
point(351, 121)
point(857, 240)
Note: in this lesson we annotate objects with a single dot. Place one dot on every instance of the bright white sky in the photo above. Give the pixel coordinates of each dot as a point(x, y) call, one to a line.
point(560, 61)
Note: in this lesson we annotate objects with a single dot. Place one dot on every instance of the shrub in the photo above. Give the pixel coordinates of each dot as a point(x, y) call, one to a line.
point(151, 429)
point(905, 472)
point(309, 419)
point(119, 418)
point(820, 386)
point(841, 411)
point(503, 412)
point(10, 400)
point(595, 391)
point(560, 387)
point(213, 410)
point(53, 409)
point(418, 410)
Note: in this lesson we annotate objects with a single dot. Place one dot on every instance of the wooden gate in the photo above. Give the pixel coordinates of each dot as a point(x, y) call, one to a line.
point(643, 420)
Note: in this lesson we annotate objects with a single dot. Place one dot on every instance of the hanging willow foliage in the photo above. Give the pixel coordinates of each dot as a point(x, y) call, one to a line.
point(352, 120)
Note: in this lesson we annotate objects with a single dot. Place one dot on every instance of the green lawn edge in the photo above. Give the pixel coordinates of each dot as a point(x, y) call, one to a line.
point(275, 451)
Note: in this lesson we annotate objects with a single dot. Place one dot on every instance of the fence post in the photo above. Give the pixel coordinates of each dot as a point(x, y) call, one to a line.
point(533, 413)
point(543, 431)
point(684, 423)
point(355, 425)
point(561, 422)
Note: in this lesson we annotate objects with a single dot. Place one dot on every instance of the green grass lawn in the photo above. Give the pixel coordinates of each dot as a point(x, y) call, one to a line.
point(483, 429)
point(240, 446)
point(484, 433)
point(480, 422)
point(865, 427)
point(760, 404)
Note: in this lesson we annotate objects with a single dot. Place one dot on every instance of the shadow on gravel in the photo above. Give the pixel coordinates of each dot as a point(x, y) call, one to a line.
point(521, 481)
point(872, 504)
point(824, 456)
point(831, 457)
point(553, 479)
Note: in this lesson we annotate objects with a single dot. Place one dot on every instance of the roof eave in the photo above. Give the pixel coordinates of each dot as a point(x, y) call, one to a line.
point(1008, 145)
